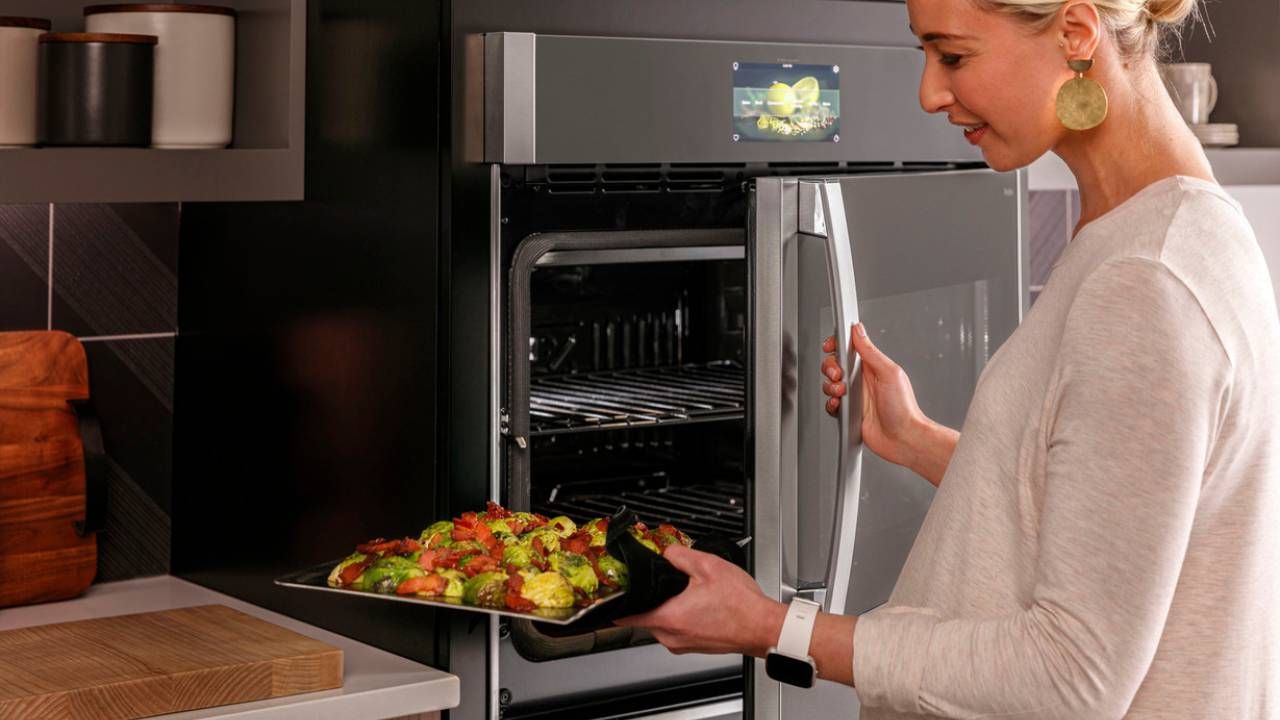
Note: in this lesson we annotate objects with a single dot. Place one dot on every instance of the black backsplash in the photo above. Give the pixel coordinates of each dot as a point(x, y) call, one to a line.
point(306, 365)
point(115, 287)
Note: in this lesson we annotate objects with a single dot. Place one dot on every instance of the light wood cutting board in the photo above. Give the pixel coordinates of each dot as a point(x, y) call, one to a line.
point(134, 666)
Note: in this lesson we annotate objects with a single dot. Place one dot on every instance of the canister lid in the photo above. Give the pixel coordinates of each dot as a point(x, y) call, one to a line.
point(69, 37)
point(25, 22)
point(160, 7)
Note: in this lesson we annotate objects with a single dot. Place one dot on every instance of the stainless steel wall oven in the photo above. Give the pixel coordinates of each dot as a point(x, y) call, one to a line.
point(659, 286)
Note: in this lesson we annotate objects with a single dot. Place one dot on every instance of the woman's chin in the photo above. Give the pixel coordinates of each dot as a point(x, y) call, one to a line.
point(1005, 162)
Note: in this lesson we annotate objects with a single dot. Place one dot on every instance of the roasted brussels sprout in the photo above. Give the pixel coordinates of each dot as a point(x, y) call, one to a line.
point(499, 526)
point(645, 541)
point(437, 535)
point(456, 581)
point(547, 590)
point(335, 577)
point(488, 589)
point(547, 538)
point(386, 574)
point(464, 547)
point(563, 526)
point(667, 534)
point(599, 530)
point(576, 569)
point(526, 519)
point(614, 569)
point(466, 560)
point(519, 555)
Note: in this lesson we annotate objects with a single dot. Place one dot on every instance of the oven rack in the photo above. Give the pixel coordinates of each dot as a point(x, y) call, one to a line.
point(641, 397)
point(698, 510)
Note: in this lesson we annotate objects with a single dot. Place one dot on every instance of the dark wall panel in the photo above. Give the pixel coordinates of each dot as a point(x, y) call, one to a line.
point(306, 374)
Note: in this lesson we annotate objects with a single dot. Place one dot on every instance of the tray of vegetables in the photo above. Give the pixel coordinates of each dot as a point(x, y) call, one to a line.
point(497, 561)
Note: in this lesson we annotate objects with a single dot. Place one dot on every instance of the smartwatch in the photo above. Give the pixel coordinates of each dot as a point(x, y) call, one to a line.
point(789, 661)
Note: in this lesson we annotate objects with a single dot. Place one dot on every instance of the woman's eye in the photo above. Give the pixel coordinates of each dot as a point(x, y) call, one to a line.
point(948, 59)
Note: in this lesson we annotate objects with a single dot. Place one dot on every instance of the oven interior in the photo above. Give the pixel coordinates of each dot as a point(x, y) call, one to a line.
point(636, 396)
point(637, 392)
point(624, 384)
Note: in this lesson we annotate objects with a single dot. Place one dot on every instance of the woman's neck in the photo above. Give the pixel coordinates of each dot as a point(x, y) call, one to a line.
point(1143, 139)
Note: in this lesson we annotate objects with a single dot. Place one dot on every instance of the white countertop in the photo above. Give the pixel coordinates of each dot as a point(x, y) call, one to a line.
point(376, 684)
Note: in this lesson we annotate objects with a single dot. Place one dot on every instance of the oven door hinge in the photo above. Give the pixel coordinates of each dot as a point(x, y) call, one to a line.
point(504, 427)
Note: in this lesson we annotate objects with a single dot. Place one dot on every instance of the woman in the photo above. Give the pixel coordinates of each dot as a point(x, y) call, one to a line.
point(1103, 542)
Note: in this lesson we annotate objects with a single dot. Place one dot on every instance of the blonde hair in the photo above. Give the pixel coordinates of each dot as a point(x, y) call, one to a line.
point(1141, 28)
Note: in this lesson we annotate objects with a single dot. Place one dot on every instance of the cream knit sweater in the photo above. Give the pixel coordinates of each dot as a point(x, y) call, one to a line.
point(1106, 540)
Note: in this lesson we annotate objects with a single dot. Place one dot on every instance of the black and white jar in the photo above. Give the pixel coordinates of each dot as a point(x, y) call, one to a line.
point(97, 88)
point(195, 67)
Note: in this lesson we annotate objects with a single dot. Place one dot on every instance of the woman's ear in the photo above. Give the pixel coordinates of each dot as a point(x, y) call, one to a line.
point(1079, 29)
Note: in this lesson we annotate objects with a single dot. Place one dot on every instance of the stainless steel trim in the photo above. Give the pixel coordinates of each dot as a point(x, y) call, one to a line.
point(849, 463)
point(714, 711)
point(640, 255)
point(495, 330)
point(495, 399)
point(510, 103)
point(812, 220)
point(769, 235)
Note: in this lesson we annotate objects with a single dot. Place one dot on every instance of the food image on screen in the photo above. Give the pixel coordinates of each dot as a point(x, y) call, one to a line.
point(785, 102)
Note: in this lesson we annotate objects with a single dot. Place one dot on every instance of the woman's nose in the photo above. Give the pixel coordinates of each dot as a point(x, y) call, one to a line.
point(935, 93)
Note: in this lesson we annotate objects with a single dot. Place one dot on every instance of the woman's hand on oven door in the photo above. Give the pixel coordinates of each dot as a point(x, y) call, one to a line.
point(891, 419)
point(722, 610)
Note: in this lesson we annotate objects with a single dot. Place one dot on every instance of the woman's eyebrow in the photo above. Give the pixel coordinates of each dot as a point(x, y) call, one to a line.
point(932, 36)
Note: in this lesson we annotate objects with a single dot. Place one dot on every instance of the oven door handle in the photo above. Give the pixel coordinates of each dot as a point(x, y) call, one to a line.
point(822, 215)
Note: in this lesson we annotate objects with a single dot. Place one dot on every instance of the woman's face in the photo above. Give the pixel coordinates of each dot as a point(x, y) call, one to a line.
point(985, 70)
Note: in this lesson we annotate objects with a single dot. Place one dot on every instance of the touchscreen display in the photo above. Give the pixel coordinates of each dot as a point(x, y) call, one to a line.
point(785, 102)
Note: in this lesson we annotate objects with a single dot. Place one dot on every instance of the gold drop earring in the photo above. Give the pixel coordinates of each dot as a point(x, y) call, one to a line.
point(1081, 103)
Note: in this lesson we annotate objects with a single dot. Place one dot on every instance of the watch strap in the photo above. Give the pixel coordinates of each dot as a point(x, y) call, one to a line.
point(797, 629)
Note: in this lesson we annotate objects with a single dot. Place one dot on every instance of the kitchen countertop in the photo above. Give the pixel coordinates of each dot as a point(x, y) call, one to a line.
point(376, 684)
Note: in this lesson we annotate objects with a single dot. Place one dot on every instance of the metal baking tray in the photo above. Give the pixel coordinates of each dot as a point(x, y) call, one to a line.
point(317, 578)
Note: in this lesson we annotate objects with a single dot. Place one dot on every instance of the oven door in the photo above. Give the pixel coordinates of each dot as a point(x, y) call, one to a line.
point(934, 265)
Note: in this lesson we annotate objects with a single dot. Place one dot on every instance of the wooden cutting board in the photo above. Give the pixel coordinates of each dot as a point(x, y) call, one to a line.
point(42, 469)
point(134, 666)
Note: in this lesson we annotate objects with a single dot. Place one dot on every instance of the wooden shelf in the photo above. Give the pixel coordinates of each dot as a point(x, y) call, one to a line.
point(1231, 166)
point(120, 175)
point(265, 162)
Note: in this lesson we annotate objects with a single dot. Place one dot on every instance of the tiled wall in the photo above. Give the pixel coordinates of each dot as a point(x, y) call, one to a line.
point(1054, 214)
point(108, 275)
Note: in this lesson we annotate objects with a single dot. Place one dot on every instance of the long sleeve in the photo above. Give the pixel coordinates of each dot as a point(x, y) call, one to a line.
point(1136, 402)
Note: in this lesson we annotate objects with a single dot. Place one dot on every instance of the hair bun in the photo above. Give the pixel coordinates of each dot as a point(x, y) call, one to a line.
point(1170, 12)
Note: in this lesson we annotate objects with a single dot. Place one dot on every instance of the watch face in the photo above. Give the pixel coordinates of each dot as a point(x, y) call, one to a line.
point(789, 670)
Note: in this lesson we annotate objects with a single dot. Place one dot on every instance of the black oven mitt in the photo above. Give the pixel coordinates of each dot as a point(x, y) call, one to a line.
point(653, 579)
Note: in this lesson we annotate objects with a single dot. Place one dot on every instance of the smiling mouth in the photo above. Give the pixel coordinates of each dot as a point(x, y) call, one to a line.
point(971, 129)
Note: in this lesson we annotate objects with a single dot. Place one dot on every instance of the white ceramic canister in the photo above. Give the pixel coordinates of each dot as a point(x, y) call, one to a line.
point(19, 79)
point(195, 68)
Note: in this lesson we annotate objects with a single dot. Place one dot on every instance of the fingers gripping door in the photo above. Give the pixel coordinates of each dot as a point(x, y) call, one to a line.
point(938, 262)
